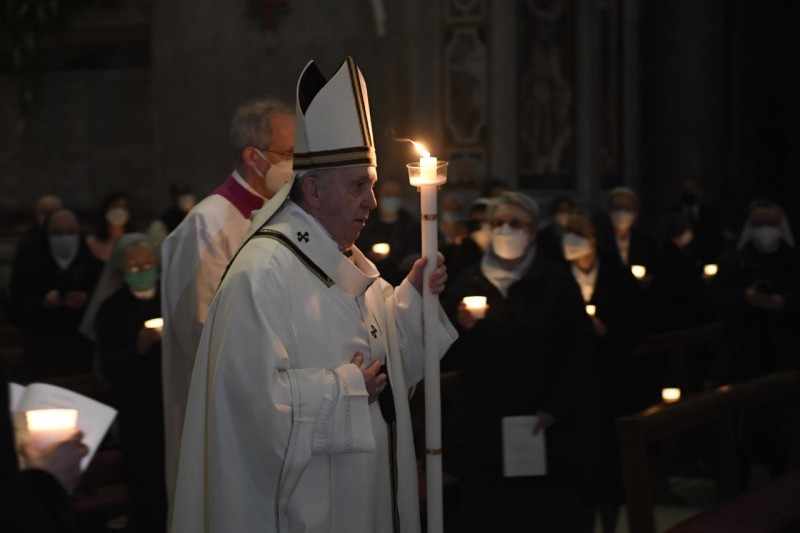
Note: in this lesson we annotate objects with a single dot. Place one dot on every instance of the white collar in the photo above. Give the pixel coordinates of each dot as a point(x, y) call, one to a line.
point(354, 275)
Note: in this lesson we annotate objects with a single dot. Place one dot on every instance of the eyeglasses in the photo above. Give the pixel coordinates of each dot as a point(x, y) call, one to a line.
point(513, 223)
point(286, 154)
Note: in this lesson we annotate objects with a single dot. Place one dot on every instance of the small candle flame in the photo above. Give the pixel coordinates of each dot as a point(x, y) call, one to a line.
point(421, 149)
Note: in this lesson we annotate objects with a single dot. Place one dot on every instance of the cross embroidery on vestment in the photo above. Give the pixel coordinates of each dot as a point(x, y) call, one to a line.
point(302, 236)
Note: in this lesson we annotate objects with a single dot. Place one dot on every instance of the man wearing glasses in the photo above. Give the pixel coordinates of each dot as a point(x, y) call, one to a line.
point(195, 255)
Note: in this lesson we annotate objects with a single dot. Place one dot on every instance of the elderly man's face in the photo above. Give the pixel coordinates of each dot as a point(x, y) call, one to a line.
point(346, 198)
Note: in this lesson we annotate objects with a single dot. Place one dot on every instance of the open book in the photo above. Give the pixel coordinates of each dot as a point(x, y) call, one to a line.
point(94, 418)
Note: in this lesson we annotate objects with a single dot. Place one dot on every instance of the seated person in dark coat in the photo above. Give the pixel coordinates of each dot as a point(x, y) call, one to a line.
point(703, 219)
point(530, 355)
point(129, 354)
point(55, 290)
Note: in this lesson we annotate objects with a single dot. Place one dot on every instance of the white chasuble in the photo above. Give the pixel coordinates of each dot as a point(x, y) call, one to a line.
point(279, 434)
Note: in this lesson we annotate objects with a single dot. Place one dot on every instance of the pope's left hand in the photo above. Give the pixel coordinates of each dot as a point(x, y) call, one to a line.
point(438, 277)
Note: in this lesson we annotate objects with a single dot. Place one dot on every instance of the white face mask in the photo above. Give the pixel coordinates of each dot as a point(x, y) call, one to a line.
point(277, 175)
point(509, 243)
point(622, 218)
point(575, 246)
point(117, 216)
point(766, 239)
point(483, 236)
point(186, 202)
point(64, 248)
point(391, 204)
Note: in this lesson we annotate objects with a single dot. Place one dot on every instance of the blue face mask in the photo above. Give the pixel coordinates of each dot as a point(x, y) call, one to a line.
point(142, 280)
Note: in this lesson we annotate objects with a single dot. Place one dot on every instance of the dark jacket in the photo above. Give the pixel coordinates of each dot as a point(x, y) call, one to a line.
point(761, 341)
point(532, 352)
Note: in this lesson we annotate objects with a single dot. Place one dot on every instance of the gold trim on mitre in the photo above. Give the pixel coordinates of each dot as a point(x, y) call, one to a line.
point(333, 126)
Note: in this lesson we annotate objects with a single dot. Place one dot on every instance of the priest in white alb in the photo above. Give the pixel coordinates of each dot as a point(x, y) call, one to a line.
point(298, 416)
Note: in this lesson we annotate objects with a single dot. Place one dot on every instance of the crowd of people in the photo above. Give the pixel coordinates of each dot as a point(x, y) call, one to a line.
point(569, 295)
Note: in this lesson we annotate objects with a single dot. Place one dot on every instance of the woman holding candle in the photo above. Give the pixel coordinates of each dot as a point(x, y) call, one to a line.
point(130, 357)
point(530, 355)
point(610, 290)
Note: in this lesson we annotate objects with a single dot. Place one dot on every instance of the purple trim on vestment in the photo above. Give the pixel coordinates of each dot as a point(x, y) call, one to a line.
point(242, 199)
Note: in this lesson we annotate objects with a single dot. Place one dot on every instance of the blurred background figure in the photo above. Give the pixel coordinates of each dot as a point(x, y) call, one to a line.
point(470, 249)
point(182, 200)
point(453, 221)
point(25, 255)
point(633, 246)
point(112, 220)
point(391, 224)
point(677, 296)
point(129, 356)
point(53, 291)
point(757, 291)
point(703, 219)
point(614, 301)
point(550, 236)
point(531, 355)
point(493, 187)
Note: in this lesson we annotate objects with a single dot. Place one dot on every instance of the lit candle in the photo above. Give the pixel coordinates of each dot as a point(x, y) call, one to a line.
point(638, 271)
point(381, 249)
point(154, 323)
point(710, 270)
point(427, 175)
point(476, 306)
point(46, 426)
point(670, 394)
point(427, 172)
point(591, 309)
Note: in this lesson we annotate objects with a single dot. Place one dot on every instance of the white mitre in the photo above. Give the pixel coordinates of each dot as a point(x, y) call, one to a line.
point(333, 128)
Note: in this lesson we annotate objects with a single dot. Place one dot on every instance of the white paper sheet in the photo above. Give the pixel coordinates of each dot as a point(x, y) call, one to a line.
point(524, 453)
point(94, 418)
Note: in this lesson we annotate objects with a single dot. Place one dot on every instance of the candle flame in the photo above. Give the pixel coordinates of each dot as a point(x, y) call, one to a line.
point(421, 149)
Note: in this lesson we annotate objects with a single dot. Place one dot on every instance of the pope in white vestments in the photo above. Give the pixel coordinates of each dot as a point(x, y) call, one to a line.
point(284, 430)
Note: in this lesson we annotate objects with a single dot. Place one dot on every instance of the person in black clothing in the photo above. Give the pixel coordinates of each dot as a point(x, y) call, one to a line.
point(395, 226)
point(618, 317)
point(25, 255)
point(707, 243)
point(633, 245)
point(530, 355)
point(54, 290)
point(549, 240)
point(130, 357)
point(182, 199)
point(757, 292)
point(678, 295)
point(36, 499)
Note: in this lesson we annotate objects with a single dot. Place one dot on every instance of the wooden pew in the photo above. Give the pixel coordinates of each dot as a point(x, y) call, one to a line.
point(677, 346)
point(717, 408)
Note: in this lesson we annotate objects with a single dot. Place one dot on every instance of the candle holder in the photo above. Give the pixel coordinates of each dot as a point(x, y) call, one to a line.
point(154, 323)
point(638, 271)
point(591, 309)
point(710, 270)
point(670, 394)
point(427, 175)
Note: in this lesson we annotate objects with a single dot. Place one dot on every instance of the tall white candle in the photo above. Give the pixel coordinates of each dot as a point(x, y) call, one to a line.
point(428, 175)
